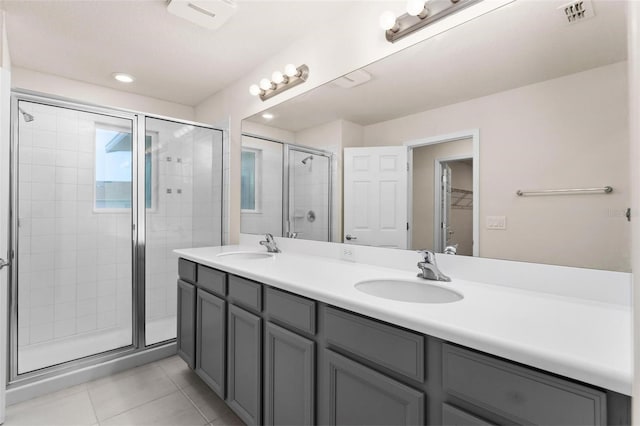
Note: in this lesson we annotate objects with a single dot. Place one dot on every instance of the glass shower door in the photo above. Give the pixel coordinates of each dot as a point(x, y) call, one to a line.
point(183, 208)
point(72, 207)
point(309, 214)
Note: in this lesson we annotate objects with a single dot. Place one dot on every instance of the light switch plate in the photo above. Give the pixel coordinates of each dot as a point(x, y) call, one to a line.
point(497, 222)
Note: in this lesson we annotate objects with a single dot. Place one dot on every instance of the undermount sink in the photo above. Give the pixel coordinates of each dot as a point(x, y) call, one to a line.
point(408, 291)
point(246, 255)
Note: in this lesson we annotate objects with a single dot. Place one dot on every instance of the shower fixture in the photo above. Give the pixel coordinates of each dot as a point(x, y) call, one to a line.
point(304, 160)
point(27, 117)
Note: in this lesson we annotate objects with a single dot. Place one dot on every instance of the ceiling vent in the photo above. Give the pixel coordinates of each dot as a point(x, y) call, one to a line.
point(211, 14)
point(577, 11)
point(353, 79)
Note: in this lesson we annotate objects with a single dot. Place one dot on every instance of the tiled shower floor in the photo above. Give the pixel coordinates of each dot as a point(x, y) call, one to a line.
point(165, 392)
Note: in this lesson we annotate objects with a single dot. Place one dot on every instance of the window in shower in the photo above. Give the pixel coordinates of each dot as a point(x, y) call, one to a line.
point(188, 213)
point(113, 168)
point(250, 171)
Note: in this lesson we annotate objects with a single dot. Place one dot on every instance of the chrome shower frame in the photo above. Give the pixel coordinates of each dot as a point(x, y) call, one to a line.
point(138, 238)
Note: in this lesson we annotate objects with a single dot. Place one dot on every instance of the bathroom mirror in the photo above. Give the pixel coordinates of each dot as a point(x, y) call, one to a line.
point(518, 101)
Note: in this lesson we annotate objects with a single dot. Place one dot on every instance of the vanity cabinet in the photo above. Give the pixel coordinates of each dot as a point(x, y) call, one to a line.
point(211, 332)
point(359, 395)
point(244, 369)
point(186, 322)
point(283, 359)
point(289, 377)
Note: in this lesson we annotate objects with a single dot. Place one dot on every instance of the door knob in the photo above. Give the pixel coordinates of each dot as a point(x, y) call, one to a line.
point(350, 237)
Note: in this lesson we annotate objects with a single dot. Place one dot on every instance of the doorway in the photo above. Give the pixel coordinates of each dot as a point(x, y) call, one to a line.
point(444, 193)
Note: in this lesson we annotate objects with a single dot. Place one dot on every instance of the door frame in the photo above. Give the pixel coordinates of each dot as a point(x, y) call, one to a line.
point(474, 135)
point(438, 167)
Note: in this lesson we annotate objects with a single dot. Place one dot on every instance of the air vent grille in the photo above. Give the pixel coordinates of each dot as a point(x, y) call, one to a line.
point(577, 11)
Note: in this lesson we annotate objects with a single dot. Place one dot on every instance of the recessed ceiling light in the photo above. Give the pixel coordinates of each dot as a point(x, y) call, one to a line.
point(267, 116)
point(123, 78)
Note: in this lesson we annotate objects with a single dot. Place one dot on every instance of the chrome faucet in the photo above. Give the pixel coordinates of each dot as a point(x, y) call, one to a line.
point(270, 244)
point(429, 268)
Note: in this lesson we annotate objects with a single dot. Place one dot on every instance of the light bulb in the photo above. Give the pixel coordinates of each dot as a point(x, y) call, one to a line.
point(265, 84)
point(387, 20)
point(415, 7)
point(254, 89)
point(291, 70)
point(277, 77)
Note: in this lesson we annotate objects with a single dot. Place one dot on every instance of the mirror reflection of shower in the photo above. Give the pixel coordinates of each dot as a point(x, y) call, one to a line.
point(27, 117)
point(309, 158)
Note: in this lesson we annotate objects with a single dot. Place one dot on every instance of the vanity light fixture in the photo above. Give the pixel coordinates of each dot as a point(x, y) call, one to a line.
point(420, 13)
point(280, 81)
point(123, 77)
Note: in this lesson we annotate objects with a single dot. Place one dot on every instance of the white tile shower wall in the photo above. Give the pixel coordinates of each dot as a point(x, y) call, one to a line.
point(187, 207)
point(74, 264)
point(310, 187)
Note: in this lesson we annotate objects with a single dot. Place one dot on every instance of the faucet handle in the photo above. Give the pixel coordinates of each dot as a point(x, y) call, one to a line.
point(268, 237)
point(427, 256)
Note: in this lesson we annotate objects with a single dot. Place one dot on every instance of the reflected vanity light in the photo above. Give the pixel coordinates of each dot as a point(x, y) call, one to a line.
point(279, 82)
point(420, 13)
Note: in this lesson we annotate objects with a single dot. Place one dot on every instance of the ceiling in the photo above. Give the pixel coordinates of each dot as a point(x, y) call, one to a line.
point(523, 43)
point(171, 58)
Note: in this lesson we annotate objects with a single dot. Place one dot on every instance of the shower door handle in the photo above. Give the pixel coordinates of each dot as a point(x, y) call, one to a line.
point(3, 263)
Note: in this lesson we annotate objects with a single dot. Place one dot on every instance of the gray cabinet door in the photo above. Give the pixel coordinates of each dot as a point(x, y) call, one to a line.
point(211, 335)
point(244, 367)
point(289, 378)
point(359, 395)
point(452, 416)
point(186, 322)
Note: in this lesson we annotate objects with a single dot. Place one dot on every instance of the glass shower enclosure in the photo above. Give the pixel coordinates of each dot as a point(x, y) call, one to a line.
point(100, 199)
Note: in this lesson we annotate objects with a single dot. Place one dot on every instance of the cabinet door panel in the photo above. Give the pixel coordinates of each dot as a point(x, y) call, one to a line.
point(210, 340)
point(244, 370)
point(289, 377)
point(186, 322)
point(452, 416)
point(359, 395)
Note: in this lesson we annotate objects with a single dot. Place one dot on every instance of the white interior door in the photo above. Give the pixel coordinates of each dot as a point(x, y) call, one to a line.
point(375, 196)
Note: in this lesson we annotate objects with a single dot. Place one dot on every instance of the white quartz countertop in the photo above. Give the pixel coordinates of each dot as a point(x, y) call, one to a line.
point(581, 339)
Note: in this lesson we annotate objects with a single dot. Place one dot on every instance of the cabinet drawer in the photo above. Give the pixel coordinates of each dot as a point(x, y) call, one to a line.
point(212, 280)
point(394, 348)
point(518, 393)
point(452, 416)
point(187, 270)
point(291, 310)
point(245, 293)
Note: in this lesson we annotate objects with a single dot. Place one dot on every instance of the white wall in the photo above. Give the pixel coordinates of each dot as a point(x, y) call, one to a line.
point(544, 136)
point(351, 41)
point(90, 93)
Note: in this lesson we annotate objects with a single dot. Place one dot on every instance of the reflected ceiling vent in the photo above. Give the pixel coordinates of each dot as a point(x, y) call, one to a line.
point(577, 11)
point(353, 79)
point(210, 14)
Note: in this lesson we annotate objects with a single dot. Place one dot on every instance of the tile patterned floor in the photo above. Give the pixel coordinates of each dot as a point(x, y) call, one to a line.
point(165, 392)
